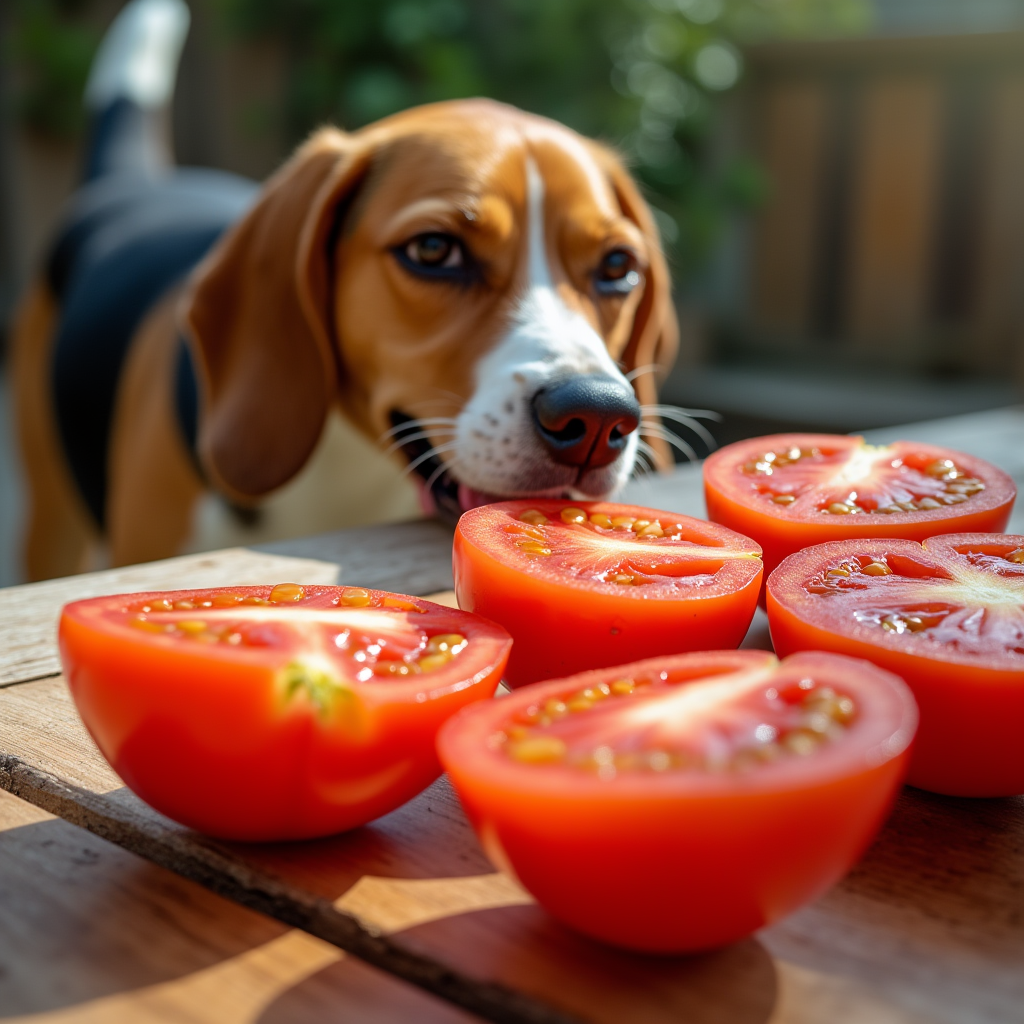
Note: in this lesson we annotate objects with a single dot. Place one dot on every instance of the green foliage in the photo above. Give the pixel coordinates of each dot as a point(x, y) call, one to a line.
point(51, 53)
point(644, 75)
point(641, 74)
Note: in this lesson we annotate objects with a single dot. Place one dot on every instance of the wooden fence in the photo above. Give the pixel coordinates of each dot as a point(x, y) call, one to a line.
point(894, 231)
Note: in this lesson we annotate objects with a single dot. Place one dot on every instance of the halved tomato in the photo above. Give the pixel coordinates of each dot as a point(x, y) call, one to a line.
point(681, 803)
point(266, 713)
point(594, 584)
point(789, 491)
point(948, 616)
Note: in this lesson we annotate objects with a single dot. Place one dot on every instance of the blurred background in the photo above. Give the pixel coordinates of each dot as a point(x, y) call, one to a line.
point(839, 183)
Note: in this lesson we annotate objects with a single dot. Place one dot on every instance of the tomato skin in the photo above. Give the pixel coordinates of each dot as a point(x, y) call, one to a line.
point(971, 739)
point(780, 534)
point(684, 861)
point(560, 628)
point(205, 739)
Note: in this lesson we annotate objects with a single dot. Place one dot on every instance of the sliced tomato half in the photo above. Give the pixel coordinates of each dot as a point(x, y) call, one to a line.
point(681, 803)
point(266, 713)
point(948, 616)
point(594, 584)
point(789, 491)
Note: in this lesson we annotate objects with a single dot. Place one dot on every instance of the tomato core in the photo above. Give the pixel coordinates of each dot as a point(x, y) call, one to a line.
point(650, 723)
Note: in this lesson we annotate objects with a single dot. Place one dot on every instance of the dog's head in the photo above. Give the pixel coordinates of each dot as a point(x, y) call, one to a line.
point(483, 286)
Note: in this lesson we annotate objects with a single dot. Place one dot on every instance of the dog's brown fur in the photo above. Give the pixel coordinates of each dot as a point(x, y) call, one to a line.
point(283, 328)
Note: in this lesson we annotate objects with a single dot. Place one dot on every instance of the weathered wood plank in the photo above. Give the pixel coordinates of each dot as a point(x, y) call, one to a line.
point(408, 558)
point(928, 928)
point(28, 614)
point(93, 934)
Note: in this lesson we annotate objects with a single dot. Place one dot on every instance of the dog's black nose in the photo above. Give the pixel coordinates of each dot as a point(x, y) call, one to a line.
point(585, 421)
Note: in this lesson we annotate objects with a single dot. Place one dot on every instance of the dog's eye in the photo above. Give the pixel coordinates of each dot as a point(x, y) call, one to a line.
point(617, 274)
point(435, 251)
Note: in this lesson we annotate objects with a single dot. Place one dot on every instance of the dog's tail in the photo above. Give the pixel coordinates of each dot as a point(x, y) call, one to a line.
point(130, 86)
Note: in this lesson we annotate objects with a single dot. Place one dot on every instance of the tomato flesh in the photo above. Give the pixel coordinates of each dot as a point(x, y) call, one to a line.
point(948, 616)
point(262, 713)
point(594, 584)
point(681, 803)
point(789, 491)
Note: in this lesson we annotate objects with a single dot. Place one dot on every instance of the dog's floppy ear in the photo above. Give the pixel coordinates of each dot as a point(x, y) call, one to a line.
point(651, 347)
point(260, 316)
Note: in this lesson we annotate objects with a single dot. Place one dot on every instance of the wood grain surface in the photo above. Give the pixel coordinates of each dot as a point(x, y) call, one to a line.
point(92, 934)
point(927, 928)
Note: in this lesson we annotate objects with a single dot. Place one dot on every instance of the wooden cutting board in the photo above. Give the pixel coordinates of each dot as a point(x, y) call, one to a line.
point(929, 928)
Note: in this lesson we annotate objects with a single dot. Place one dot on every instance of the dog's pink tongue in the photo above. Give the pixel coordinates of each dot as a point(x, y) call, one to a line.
point(427, 503)
point(468, 498)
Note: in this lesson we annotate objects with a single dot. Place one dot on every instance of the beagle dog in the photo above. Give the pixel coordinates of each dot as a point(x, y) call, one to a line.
point(479, 290)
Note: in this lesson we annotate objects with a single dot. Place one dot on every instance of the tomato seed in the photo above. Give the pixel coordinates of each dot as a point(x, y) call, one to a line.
point(573, 515)
point(800, 743)
point(537, 750)
point(622, 686)
point(183, 606)
point(433, 661)
point(356, 597)
point(650, 530)
point(954, 499)
point(838, 572)
point(452, 642)
point(225, 600)
point(533, 516)
point(533, 547)
point(191, 626)
point(784, 499)
point(876, 569)
point(1016, 556)
point(600, 519)
point(141, 622)
point(287, 592)
point(623, 522)
point(838, 508)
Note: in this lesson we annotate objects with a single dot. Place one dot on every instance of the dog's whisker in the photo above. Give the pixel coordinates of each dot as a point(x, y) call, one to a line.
point(430, 453)
point(641, 370)
point(646, 453)
point(650, 429)
point(423, 435)
point(418, 424)
point(443, 468)
point(687, 417)
point(671, 410)
point(693, 425)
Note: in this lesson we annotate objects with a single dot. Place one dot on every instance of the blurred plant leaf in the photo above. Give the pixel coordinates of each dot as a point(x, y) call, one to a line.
point(50, 51)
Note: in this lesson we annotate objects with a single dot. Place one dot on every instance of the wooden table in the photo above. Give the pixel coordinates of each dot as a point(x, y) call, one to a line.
point(130, 917)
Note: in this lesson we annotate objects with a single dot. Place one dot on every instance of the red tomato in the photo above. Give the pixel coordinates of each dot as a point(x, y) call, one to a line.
point(584, 586)
point(788, 491)
point(946, 615)
point(681, 803)
point(263, 714)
